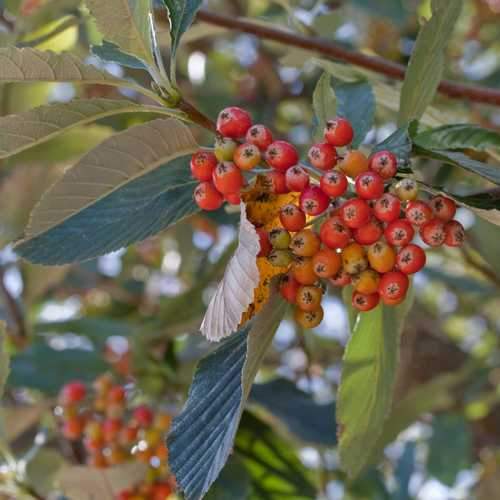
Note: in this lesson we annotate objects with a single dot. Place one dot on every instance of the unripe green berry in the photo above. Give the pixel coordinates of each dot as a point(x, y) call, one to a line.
point(280, 258)
point(225, 148)
point(280, 239)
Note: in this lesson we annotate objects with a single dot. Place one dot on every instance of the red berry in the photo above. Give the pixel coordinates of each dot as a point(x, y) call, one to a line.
point(202, 165)
point(369, 233)
point(161, 491)
point(297, 179)
point(334, 233)
point(384, 163)
point(418, 213)
point(289, 287)
point(364, 302)
point(341, 279)
point(455, 234)
point(339, 132)
point(393, 285)
point(143, 415)
point(116, 394)
point(399, 233)
point(207, 197)
point(334, 183)
point(433, 233)
point(111, 428)
point(411, 259)
point(228, 178)
point(323, 156)
point(73, 392)
point(355, 213)
point(387, 208)
point(275, 182)
point(233, 122)
point(393, 302)
point(313, 201)
point(281, 155)
point(444, 209)
point(292, 218)
point(247, 156)
point(259, 135)
point(73, 428)
point(369, 185)
point(265, 244)
point(233, 198)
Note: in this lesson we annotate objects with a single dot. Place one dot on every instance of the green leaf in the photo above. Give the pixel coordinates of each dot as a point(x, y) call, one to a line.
point(42, 469)
point(202, 436)
point(276, 471)
point(427, 61)
point(460, 136)
point(304, 417)
point(130, 187)
point(367, 382)
point(232, 484)
point(182, 13)
point(25, 130)
point(489, 172)
point(450, 448)
point(47, 369)
point(110, 52)
point(126, 24)
point(324, 104)
point(398, 143)
point(4, 358)
point(355, 101)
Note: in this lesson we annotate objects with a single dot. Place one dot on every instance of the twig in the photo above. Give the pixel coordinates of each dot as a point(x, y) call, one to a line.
point(478, 266)
point(14, 309)
point(325, 47)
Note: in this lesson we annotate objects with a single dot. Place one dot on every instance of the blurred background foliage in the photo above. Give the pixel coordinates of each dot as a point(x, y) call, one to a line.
point(137, 311)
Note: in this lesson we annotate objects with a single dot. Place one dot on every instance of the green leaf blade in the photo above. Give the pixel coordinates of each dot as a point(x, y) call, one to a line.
point(324, 104)
point(202, 436)
point(427, 61)
point(368, 377)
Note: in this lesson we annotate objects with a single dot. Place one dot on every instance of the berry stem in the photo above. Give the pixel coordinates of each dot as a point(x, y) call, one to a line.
point(195, 115)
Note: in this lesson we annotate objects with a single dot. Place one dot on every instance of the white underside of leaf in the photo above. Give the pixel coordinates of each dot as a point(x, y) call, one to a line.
point(116, 162)
point(235, 292)
point(25, 130)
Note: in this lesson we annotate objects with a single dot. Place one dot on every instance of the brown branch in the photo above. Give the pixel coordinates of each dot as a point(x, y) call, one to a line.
point(15, 312)
point(325, 47)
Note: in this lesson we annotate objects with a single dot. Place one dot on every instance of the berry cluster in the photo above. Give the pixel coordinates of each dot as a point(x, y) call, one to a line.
point(111, 434)
point(354, 222)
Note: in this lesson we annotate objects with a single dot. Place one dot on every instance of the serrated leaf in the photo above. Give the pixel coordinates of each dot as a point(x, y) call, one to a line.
point(181, 13)
point(457, 159)
point(235, 292)
point(461, 136)
point(398, 142)
point(4, 358)
point(82, 483)
point(232, 484)
point(128, 188)
point(25, 130)
point(367, 382)
point(202, 436)
point(46, 369)
point(110, 52)
point(324, 104)
point(449, 448)
point(126, 24)
point(427, 61)
point(355, 101)
point(274, 467)
point(297, 410)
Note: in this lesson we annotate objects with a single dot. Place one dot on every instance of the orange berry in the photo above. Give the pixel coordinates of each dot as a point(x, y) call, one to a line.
point(97, 460)
point(382, 257)
point(354, 163)
point(366, 282)
point(289, 287)
point(163, 421)
point(309, 298)
point(309, 319)
point(73, 428)
point(365, 302)
point(354, 258)
point(326, 263)
point(306, 243)
point(303, 271)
